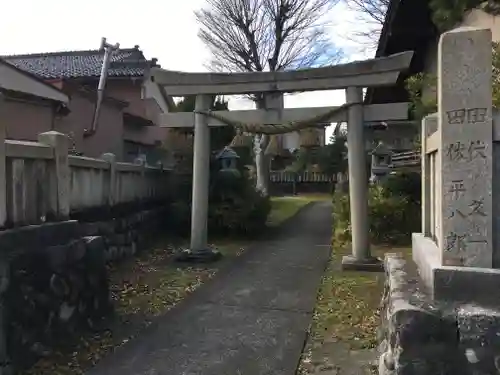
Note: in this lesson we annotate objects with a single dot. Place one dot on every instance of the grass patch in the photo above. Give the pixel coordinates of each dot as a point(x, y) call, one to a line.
point(142, 289)
point(283, 208)
point(346, 317)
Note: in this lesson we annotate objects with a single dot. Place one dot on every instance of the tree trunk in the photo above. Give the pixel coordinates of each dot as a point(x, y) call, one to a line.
point(261, 159)
point(262, 164)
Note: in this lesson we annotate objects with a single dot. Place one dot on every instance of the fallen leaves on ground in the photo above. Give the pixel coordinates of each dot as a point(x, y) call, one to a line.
point(347, 312)
point(142, 289)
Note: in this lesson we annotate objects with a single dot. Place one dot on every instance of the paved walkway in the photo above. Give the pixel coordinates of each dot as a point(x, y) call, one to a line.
point(251, 319)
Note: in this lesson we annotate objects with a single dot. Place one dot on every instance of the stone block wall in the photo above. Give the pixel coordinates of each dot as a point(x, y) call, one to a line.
point(53, 284)
point(54, 280)
point(419, 336)
point(126, 235)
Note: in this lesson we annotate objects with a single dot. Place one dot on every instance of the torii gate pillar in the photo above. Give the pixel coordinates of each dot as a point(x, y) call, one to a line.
point(361, 258)
point(199, 250)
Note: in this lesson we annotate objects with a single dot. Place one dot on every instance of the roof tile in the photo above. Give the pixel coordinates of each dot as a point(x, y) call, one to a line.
point(77, 64)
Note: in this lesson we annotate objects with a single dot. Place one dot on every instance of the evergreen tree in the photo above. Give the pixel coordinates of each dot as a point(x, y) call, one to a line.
point(219, 136)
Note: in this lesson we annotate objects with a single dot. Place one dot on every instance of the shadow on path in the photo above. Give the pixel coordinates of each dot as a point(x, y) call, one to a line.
point(251, 319)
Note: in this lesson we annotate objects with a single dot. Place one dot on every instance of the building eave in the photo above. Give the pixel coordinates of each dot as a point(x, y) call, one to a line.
point(408, 26)
point(386, 27)
point(28, 83)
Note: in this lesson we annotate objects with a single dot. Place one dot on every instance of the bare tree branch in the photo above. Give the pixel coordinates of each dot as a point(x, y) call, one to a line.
point(370, 13)
point(266, 35)
point(374, 10)
point(261, 35)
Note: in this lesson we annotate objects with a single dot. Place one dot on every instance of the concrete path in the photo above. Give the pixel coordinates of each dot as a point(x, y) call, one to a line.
point(251, 319)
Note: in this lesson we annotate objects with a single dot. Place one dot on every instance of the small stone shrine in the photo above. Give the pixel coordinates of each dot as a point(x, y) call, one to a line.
point(441, 311)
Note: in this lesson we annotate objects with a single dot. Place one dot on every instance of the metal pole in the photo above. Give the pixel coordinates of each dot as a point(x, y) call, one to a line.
point(361, 258)
point(108, 52)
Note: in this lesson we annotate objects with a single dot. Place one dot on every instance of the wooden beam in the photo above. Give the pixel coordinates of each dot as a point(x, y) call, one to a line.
point(373, 72)
point(372, 113)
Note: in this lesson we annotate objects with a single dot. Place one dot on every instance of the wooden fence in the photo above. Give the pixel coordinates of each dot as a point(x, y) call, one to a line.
point(284, 183)
point(406, 159)
point(39, 180)
point(305, 177)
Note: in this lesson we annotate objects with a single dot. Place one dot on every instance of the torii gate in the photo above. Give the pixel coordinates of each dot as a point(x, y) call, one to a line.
point(352, 77)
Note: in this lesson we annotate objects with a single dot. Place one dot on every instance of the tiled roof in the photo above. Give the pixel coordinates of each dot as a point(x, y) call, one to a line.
point(11, 85)
point(76, 64)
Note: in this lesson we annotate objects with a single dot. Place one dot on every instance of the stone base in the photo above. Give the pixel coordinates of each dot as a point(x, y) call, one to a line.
point(199, 256)
point(350, 263)
point(422, 336)
point(454, 283)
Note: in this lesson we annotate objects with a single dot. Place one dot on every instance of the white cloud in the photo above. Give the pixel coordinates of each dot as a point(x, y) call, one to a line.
point(163, 29)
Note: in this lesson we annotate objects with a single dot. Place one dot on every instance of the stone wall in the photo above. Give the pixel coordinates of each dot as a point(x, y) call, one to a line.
point(63, 217)
point(54, 281)
point(419, 336)
point(36, 187)
point(126, 235)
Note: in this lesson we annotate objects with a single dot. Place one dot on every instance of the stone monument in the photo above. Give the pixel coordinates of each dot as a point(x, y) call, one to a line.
point(441, 312)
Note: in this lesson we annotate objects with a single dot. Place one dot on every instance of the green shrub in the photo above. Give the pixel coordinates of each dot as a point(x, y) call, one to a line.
point(392, 217)
point(239, 215)
point(179, 215)
point(404, 184)
point(235, 206)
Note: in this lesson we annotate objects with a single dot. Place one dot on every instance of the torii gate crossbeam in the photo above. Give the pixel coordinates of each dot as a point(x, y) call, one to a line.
point(368, 73)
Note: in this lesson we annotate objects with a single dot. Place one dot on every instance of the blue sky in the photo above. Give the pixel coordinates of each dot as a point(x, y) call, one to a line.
point(160, 28)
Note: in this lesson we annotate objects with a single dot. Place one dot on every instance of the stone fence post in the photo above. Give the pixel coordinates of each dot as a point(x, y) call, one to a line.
point(111, 159)
point(60, 190)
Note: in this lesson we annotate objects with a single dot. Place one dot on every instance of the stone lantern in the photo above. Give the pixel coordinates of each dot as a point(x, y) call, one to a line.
point(381, 162)
point(227, 160)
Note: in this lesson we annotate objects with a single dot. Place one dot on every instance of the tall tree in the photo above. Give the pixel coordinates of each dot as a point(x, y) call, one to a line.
point(333, 157)
point(219, 136)
point(330, 158)
point(266, 35)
